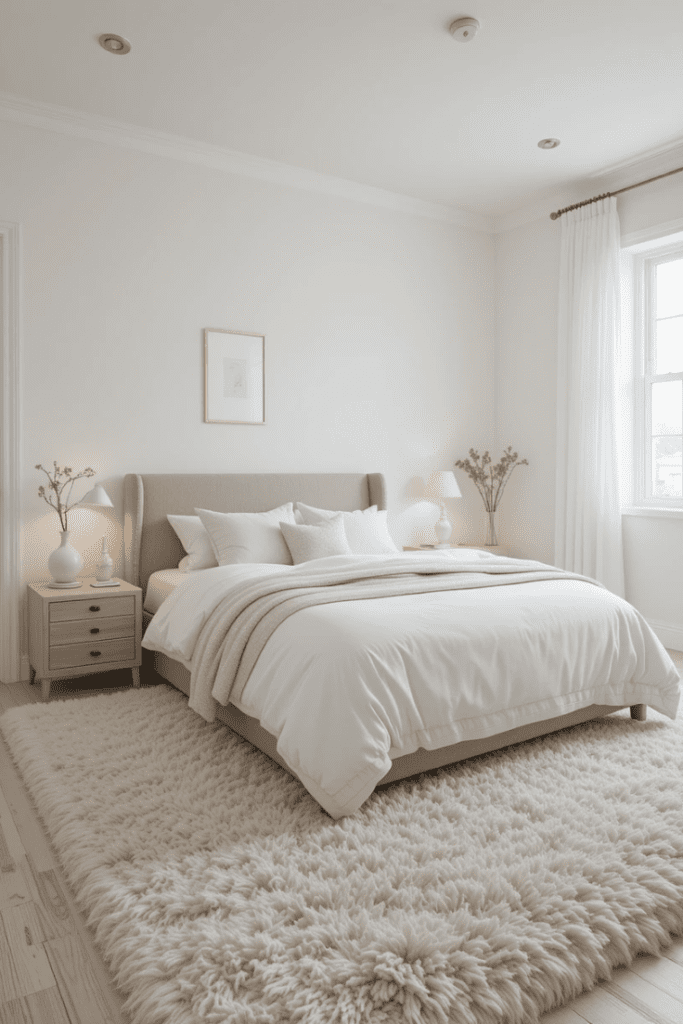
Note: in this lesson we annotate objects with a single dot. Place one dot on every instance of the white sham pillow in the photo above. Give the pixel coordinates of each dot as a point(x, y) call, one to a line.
point(307, 542)
point(238, 537)
point(311, 515)
point(192, 535)
point(366, 529)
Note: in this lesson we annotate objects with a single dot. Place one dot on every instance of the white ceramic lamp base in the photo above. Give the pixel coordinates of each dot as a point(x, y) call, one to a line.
point(443, 530)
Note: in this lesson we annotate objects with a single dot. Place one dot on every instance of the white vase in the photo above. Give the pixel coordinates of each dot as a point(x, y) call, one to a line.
point(65, 563)
point(106, 566)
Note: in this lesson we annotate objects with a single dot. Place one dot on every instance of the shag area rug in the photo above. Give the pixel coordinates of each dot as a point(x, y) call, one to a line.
point(219, 891)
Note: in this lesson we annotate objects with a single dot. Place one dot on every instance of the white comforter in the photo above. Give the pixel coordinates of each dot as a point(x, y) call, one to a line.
point(347, 687)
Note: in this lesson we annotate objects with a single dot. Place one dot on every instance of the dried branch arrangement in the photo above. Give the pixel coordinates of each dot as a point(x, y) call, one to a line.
point(57, 482)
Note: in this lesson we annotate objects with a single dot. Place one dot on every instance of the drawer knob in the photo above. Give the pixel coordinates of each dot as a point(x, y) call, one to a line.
point(94, 607)
point(95, 630)
point(95, 654)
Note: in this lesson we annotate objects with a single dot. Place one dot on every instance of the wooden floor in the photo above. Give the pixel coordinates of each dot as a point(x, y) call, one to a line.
point(51, 973)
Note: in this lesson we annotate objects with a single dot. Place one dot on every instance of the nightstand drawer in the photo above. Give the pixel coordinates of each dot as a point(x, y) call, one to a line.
point(97, 607)
point(79, 631)
point(94, 653)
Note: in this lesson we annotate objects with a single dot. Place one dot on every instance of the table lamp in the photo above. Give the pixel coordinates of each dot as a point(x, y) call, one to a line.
point(442, 484)
point(105, 567)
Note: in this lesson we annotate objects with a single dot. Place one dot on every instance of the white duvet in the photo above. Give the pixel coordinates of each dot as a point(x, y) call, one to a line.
point(347, 687)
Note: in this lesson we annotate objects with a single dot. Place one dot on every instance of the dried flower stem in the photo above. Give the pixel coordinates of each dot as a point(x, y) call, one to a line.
point(55, 489)
point(490, 480)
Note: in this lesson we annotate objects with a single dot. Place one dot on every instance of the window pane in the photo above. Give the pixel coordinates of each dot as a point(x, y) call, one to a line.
point(669, 346)
point(667, 467)
point(669, 289)
point(667, 407)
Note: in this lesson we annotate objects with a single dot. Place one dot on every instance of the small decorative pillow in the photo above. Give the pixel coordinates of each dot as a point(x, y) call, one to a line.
point(194, 538)
point(308, 542)
point(238, 537)
point(366, 529)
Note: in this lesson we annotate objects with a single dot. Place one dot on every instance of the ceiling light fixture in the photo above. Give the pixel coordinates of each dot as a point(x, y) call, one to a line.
point(113, 43)
point(548, 143)
point(464, 29)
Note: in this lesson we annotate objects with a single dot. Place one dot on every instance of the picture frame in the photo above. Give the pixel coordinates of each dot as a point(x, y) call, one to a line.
point(234, 377)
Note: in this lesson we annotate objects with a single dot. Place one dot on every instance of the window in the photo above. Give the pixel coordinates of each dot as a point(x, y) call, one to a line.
point(659, 378)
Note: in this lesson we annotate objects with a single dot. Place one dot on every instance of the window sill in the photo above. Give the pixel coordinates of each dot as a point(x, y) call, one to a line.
point(653, 512)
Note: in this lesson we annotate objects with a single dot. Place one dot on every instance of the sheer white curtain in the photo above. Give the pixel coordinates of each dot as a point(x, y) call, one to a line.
point(588, 518)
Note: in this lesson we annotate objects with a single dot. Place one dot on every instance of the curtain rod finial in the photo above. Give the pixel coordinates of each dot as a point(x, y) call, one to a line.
point(554, 216)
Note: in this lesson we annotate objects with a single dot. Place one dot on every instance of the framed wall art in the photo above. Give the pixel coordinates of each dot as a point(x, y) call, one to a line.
point(234, 380)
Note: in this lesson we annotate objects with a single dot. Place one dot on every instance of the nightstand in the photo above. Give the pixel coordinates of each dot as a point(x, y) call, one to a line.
point(499, 549)
point(77, 633)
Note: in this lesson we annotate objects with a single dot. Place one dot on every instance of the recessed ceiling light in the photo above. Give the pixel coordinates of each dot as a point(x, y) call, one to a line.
point(464, 29)
point(548, 143)
point(113, 43)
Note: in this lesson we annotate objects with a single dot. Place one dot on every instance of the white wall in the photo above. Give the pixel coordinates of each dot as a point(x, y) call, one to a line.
point(527, 268)
point(378, 325)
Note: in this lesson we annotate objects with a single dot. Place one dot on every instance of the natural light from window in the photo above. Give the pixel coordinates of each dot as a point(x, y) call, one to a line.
point(667, 396)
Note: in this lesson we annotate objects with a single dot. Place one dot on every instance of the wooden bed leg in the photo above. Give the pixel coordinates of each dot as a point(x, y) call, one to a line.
point(639, 712)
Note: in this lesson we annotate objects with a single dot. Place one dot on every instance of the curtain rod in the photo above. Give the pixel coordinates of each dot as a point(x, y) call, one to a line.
point(606, 195)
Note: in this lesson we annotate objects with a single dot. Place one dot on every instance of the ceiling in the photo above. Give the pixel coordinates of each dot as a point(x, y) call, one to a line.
point(374, 91)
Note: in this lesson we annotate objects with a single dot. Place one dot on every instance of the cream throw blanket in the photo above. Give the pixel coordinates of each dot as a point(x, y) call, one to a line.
point(242, 623)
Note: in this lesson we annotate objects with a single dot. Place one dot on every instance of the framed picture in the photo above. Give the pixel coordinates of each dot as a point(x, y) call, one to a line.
point(234, 384)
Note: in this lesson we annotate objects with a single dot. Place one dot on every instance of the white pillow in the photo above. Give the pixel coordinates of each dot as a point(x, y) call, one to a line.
point(238, 537)
point(194, 538)
point(312, 516)
point(366, 529)
point(308, 542)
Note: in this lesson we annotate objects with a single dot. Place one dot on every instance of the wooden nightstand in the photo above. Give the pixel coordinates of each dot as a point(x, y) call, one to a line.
point(79, 632)
point(499, 549)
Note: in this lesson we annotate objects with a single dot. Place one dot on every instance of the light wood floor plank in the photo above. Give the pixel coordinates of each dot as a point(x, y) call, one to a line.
point(39, 878)
point(52, 905)
point(77, 981)
point(14, 889)
point(601, 1007)
point(565, 1015)
point(646, 998)
point(44, 1007)
point(32, 835)
point(10, 835)
point(29, 968)
point(661, 972)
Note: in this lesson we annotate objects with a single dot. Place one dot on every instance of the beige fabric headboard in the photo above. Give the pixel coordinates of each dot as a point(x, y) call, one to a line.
point(151, 544)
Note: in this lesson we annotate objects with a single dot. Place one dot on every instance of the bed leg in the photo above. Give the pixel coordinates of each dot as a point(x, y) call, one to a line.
point(639, 712)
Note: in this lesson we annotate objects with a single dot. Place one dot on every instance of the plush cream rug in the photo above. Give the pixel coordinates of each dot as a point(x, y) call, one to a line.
point(219, 891)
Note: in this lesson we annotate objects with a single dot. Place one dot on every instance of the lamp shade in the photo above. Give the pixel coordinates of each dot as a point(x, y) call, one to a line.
point(442, 484)
point(96, 496)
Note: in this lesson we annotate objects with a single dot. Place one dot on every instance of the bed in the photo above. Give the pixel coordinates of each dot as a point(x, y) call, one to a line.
point(152, 547)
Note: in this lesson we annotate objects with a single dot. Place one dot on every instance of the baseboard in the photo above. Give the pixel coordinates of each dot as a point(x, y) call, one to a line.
point(670, 636)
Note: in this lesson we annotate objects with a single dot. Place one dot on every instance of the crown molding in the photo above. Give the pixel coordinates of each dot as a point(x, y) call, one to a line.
point(607, 179)
point(654, 161)
point(66, 121)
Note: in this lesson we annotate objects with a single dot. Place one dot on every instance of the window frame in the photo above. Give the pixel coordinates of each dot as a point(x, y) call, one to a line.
point(645, 265)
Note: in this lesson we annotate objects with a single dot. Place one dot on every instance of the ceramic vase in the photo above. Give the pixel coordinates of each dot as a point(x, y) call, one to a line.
point(106, 565)
point(64, 563)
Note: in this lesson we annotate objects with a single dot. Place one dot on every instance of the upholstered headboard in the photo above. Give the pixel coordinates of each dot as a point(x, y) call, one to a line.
point(151, 544)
